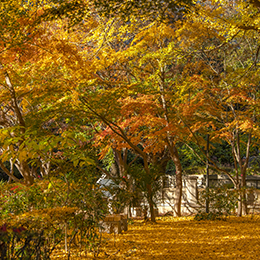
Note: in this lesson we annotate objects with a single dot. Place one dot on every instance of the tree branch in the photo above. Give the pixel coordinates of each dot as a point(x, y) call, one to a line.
point(6, 171)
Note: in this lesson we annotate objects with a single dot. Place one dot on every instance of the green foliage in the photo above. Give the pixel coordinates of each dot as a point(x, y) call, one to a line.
point(208, 216)
point(222, 153)
point(254, 165)
point(142, 180)
point(130, 221)
point(188, 158)
point(222, 202)
point(108, 160)
point(121, 199)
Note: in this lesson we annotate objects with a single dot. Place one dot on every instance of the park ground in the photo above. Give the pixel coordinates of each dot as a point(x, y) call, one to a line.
point(180, 238)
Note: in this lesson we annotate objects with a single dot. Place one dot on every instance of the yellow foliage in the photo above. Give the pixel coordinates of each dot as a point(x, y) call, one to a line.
point(40, 219)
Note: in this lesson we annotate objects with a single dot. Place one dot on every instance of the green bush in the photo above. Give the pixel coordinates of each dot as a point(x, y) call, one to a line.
point(208, 216)
point(222, 202)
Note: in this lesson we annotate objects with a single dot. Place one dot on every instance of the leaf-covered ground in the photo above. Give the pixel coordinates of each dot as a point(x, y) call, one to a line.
point(182, 238)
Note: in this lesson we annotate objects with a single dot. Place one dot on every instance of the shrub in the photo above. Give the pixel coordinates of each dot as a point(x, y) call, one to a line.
point(33, 235)
point(207, 216)
point(222, 202)
point(51, 210)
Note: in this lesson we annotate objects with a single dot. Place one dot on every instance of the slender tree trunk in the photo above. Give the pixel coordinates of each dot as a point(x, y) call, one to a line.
point(243, 176)
point(242, 202)
point(150, 201)
point(207, 176)
point(239, 206)
point(241, 180)
point(243, 194)
point(178, 190)
point(173, 150)
point(149, 189)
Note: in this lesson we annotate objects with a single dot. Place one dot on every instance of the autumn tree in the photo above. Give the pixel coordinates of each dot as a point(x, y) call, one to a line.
point(136, 83)
point(16, 48)
point(32, 87)
point(225, 97)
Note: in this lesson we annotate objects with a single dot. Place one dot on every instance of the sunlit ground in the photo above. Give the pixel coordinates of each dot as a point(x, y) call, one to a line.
point(181, 238)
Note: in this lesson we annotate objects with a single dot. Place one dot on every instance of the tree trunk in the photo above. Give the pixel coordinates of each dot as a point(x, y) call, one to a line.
point(239, 207)
point(25, 171)
point(242, 205)
point(242, 201)
point(173, 150)
point(178, 193)
point(150, 202)
point(243, 194)
point(149, 189)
